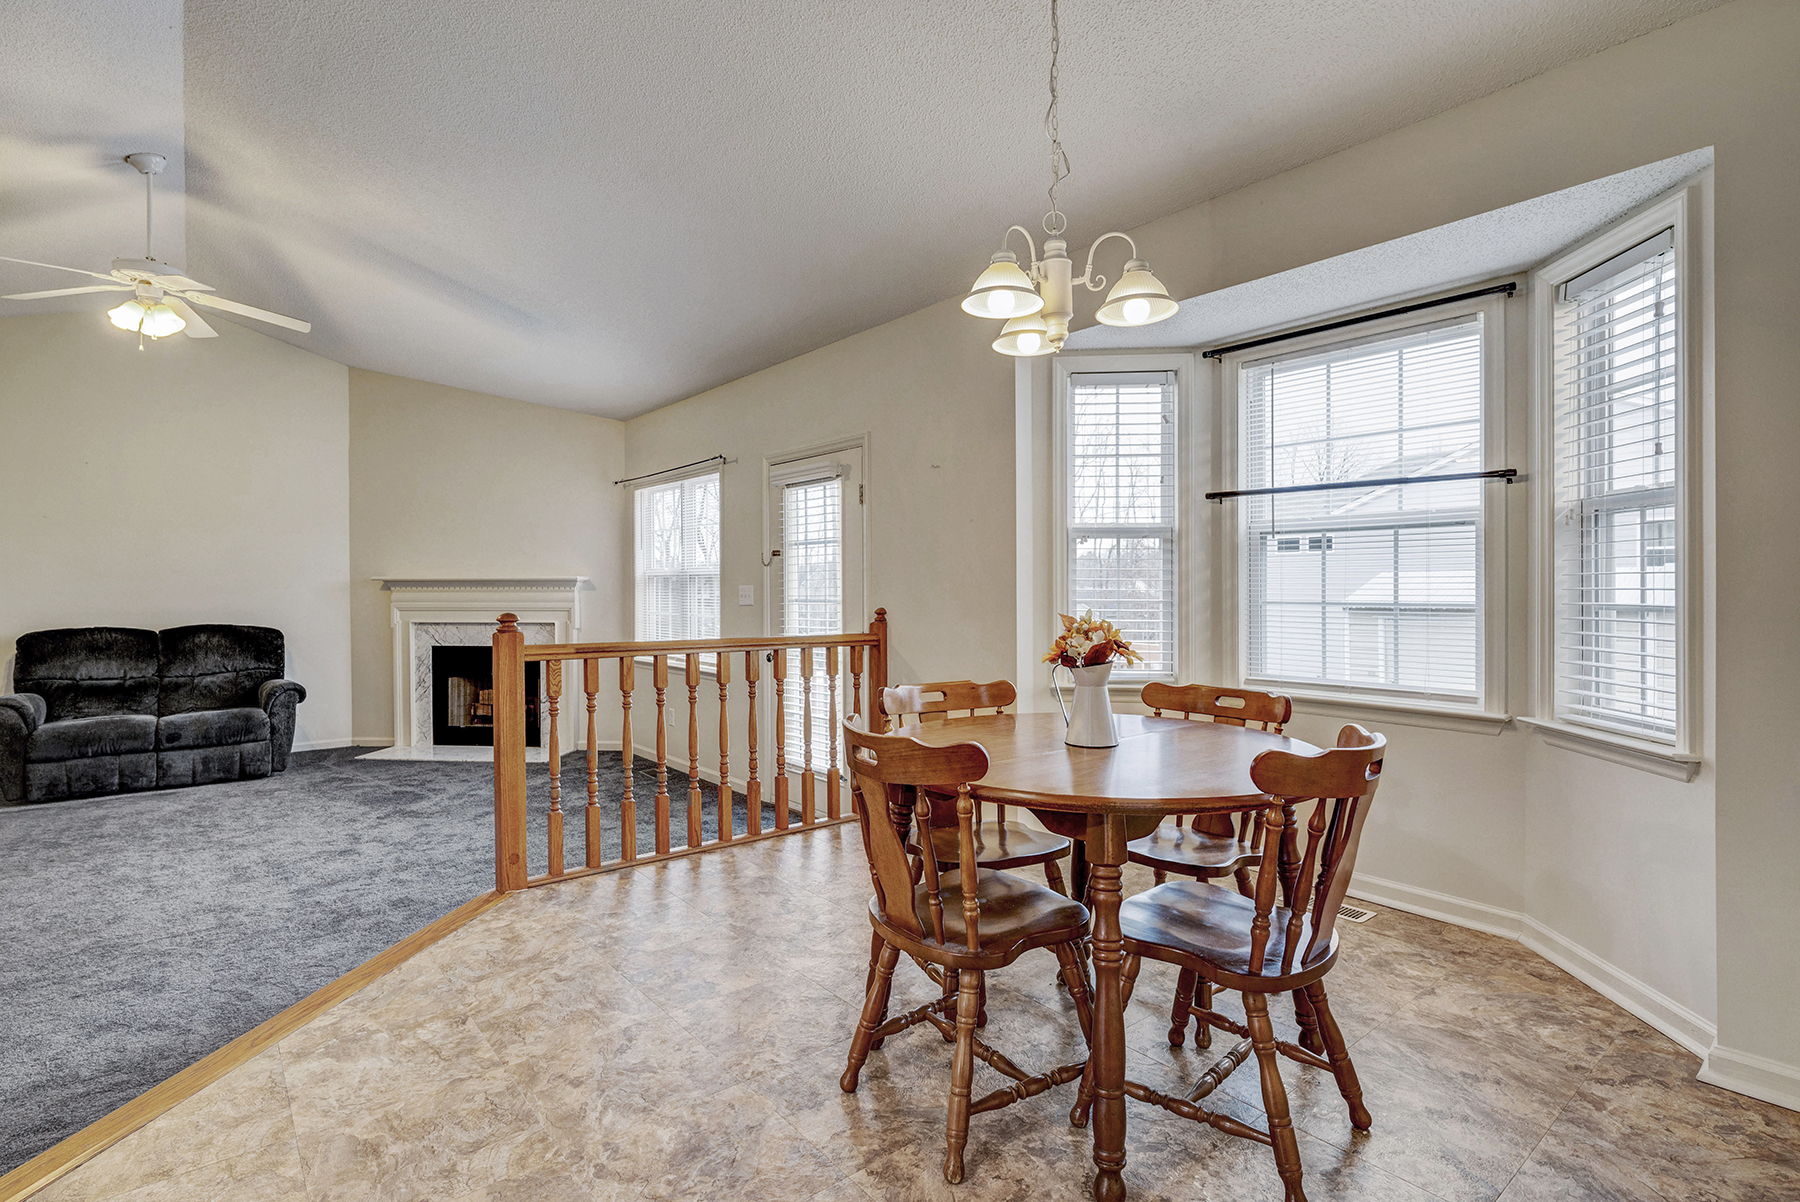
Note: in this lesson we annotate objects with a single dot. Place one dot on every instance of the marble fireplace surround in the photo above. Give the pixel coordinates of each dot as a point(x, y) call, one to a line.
point(460, 612)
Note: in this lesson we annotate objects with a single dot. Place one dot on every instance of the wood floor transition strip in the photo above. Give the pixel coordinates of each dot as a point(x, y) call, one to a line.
point(60, 1159)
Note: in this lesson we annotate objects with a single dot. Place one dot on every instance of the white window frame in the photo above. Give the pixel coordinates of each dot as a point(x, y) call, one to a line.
point(1489, 703)
point(636, 580)
point(1189, 578)
point(1679, 211)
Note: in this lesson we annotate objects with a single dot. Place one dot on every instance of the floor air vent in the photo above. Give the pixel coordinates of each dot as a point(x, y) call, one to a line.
point(1355, 913)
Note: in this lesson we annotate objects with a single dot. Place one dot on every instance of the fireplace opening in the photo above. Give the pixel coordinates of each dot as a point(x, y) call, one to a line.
point(462, 697)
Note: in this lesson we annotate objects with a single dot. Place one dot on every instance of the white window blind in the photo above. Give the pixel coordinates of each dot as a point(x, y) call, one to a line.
point(1617, 470)
point(677, 559)
point(1121, 558)
point(811, 580)
point(1368, 589)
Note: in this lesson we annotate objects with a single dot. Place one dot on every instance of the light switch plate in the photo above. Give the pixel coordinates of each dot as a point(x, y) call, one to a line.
point(746, 594)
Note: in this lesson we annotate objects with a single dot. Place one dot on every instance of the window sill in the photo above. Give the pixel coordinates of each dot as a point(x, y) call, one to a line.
point(1662, 762)
point(1405, 713)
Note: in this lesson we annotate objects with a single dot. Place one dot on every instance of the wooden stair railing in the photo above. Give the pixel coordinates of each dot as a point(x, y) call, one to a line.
point(842, 674)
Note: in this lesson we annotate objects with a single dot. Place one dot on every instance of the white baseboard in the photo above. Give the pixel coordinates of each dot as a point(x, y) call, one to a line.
point(1658, 1009)
point(332, 744)
point(372, 741)
point(1754, 1076)
point(1654, 1007)
point(1457, 911)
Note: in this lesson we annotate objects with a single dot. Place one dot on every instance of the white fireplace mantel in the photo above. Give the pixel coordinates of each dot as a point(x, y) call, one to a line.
point(461, 610)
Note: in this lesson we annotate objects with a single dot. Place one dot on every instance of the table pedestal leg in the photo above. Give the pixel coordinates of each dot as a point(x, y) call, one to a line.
point(1106, 855)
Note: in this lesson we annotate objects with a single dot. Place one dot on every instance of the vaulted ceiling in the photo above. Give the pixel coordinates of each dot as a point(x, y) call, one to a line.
point(608, 207)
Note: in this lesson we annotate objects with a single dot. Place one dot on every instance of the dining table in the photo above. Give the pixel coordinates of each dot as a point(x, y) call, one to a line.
point(1103, 797)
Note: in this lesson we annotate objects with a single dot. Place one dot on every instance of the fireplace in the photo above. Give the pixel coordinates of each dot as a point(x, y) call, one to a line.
point(462, 697)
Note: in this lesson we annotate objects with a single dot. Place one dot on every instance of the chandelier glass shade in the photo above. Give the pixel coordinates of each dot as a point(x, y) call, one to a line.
point(1003, 290)
point(1138, 299)
point(1024, 337)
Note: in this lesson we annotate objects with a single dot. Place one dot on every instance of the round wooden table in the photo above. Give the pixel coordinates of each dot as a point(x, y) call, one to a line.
point(1106, 797)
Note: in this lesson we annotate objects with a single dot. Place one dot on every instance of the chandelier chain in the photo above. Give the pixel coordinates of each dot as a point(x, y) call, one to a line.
point(1054, 221)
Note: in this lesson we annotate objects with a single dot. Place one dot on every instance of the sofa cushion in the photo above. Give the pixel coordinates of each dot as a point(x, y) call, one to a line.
point(89, 671)
point(85, 738)
point(215, 667)
point(213, 728)
point(179, 767)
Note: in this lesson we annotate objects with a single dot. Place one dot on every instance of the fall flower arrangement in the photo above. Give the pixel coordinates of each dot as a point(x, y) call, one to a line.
point(1087, 641)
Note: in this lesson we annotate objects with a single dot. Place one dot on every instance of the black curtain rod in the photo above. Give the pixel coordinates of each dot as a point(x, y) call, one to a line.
point(1507, 289)
point(1500, 473)
point(682, 467)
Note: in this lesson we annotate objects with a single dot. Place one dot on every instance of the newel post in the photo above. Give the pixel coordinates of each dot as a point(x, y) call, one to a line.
point(878, 671)
point(509, 755)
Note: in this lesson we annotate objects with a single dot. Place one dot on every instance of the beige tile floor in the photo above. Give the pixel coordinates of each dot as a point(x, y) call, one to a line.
point(677, 1032)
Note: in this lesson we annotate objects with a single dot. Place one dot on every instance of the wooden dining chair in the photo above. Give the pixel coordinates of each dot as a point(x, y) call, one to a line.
point(1259, 946)
point(1208, 845)
point(957, 926)
point(998, 843)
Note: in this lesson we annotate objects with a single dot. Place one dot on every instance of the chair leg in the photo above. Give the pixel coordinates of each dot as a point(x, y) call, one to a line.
point(1053, 873)
point(981, 999)
point(1244, 885)
point(1184, 997)
point(951, 977)
point(1158, 876)
point(1075, 981)
point(1275, 1103)
point(873, 1011)
point(1339, 1055)
point(1308, 1023)
point(1203, 1001)
point(875, 946)
point(962, 1075)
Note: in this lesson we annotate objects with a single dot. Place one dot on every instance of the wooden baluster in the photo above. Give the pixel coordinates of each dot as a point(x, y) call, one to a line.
point(627, 761)
point(553, 673)
point(693, 687)
point(878, 671)
point(781, 780)
point(856, 675)
point(833, 805)
point(808, 805)
point(659, 680)
point(590, 684)
point(752, 786)
point(723, 664)
point(509, 755)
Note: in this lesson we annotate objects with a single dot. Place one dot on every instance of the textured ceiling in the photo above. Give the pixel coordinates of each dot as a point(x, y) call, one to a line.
point(609, 207)
point(1484, 247)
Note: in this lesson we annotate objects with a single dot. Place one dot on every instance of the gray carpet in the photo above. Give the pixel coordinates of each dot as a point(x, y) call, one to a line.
point(140, 932)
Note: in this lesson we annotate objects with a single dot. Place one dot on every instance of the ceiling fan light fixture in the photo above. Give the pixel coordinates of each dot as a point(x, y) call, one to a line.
point(152, 319)
point(1025, 337)
point(1003, 291)
point(1138, 299)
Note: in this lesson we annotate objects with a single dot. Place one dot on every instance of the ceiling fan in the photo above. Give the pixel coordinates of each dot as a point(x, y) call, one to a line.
point(161, 295)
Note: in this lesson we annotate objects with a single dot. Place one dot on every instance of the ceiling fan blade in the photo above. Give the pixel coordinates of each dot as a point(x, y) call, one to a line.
point(181, 283)
point(242, 310)
point(54, 267)
point(67, 292)
point(196, 325)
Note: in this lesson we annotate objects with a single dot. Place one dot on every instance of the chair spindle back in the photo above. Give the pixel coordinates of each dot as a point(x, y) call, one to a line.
point(941, 699)
point(889, 776)
point(1340, 782)
point(1233, 707)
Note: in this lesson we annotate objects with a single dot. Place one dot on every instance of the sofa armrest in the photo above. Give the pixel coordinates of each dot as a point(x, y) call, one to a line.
point(29, 706)
point(281, 698)
point(20, 714)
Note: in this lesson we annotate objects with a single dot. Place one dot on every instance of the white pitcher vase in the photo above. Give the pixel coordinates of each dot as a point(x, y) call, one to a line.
point(1091, 720)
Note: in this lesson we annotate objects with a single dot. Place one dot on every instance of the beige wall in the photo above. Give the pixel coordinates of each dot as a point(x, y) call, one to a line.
point(447, 483)
point(1620, 861)
point(936, 406)
point(189, 482)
